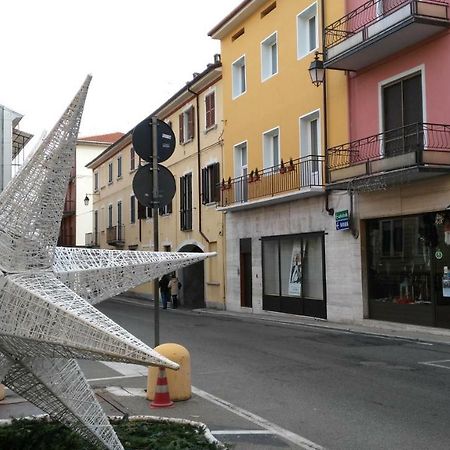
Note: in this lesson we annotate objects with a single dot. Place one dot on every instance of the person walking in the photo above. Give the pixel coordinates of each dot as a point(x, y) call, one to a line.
point(164, 289)
point(174, 286)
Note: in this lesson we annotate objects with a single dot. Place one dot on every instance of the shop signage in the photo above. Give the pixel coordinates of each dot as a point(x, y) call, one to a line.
point(342, 220)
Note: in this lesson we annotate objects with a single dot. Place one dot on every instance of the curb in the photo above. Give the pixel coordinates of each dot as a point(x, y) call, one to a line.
point(207, 432)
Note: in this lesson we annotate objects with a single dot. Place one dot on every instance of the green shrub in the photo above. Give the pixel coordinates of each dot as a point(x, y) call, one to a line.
point(25, 434)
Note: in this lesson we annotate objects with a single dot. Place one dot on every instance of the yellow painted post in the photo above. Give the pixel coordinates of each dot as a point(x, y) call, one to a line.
point(179, 381)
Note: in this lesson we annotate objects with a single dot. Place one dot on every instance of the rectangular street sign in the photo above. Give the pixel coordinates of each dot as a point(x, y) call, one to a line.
point(342, 220)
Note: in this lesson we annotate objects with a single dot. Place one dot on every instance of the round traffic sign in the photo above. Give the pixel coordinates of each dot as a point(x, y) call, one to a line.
point(143, 140)
point(143, 186)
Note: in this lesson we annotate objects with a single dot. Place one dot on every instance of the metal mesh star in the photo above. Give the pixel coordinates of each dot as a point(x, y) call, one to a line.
point(46, 292)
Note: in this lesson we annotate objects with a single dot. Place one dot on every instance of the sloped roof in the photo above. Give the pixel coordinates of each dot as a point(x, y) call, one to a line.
point(103, 138)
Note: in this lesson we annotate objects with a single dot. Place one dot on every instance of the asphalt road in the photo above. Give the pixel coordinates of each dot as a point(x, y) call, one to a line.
point(340, 390)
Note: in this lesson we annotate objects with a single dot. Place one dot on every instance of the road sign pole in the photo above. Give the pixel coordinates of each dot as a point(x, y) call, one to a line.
point(154, 124)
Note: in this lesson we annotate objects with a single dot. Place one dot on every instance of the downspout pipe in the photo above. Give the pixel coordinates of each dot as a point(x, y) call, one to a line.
point(199, 178)
point(329, 210)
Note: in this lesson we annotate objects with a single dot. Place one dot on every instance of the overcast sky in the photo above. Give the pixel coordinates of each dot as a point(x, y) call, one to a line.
point(140, 52)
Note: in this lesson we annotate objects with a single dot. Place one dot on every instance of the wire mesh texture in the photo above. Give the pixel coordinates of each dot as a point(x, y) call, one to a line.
point(46, 293)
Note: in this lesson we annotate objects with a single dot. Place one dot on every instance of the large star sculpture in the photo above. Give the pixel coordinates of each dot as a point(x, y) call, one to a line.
point(47, 292)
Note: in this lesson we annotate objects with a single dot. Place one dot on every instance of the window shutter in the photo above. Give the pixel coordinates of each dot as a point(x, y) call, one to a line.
point(182, 200)
point(142, 211)
point(149, 212)
point(169, 208)
point(204, 185)
point(181, 128)
point(216, 182)
point(212, 109)
point(191, 122)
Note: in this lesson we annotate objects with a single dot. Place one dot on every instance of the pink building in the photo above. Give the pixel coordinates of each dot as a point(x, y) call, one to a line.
point(396, 168)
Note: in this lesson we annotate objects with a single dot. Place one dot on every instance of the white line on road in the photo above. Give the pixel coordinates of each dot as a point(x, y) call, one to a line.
point(130, 370)
point(436, 363)
point(263, 423)
point(238, 432)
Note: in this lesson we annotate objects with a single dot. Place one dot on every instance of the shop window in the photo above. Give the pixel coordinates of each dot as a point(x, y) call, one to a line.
point(293, 266)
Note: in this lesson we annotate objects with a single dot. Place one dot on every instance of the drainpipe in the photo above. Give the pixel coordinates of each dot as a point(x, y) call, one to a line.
point(329, 210)
point(199, 178)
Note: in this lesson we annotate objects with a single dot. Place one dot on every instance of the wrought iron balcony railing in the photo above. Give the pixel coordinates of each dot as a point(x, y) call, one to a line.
point(115, 235)
point(368, 13)
point(296, 174)
point(420, 144)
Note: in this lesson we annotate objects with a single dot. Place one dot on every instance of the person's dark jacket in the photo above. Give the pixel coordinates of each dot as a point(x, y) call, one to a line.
point(164, 283)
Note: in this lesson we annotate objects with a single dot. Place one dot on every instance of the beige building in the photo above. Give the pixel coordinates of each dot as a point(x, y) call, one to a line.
point(191, 222)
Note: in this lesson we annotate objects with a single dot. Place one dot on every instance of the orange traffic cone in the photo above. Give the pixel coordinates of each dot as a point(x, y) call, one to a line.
point(161, 398)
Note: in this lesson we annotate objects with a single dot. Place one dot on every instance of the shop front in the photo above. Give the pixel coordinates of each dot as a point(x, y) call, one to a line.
point(408, 269)
point(294, 274)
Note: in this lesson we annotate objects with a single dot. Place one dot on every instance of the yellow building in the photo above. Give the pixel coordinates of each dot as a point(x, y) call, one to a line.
point(191, 222)
point(281, 238)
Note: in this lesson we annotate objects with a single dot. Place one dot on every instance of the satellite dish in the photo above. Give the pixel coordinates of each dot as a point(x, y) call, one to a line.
point(143, 140)
point(143, 186)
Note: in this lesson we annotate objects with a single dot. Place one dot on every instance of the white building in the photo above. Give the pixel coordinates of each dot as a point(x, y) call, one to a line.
point(12, 141)
point(88, 148)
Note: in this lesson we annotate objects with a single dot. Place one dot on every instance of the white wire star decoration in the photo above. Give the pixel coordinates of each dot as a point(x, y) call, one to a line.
point(47, 292)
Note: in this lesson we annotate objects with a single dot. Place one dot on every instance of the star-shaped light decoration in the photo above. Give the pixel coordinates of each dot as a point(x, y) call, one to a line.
point(46, 292)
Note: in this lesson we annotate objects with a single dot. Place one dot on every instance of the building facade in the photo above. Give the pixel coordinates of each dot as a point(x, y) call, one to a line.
point(283, 250)
point(77, 214)
point(191, 222)
point(394, 170)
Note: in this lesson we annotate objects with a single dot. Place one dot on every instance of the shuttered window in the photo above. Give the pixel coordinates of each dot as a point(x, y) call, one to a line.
point(186, 202)
point(210, 106)
point(144, 212)
point(210, 183)
point(186, 125)
point(166, 210)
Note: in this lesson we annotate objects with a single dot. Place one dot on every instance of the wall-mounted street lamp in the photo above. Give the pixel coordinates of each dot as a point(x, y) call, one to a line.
point(86, 199)
point(316, 70)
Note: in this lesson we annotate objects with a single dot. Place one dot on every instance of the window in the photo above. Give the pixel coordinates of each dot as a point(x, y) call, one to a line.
point(187, 122)
point(119, 167)
point(239, 77)
point(307, 31)
point(310, 149)
point(132, 159)
point(186, 202)
point(293, 266)
point(402, 111)
point(110, 172)
point(271, 145)
point(210, 183)
point(269, 57)
point(240, 170)
point(210, 108)
point(119, 213)
point(95, 181)
point(132, 209)
point(110, 216)
point(165, 210)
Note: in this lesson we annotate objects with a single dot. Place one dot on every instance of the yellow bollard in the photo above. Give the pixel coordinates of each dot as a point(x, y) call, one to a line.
point(179, 381)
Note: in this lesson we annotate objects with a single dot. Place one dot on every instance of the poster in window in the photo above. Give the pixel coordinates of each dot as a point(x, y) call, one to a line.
point(295, 275)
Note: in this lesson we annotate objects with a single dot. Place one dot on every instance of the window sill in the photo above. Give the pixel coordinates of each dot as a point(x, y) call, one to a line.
point(211, 128)
point(119, 178)
point(269, 77)
point(239, 95)
point(187, 142)
point(110, 183)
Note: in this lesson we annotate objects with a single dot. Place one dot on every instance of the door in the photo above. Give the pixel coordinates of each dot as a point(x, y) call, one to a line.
point(403, 116)
point(245, 271)
point(240, 172)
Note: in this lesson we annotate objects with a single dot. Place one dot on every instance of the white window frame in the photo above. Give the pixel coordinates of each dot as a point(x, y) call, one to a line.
point(236, 72)
point(306, 141)
point(269, 157)
point(241, 170)
point(185, 114)
point(303, 31)
point(267, 65)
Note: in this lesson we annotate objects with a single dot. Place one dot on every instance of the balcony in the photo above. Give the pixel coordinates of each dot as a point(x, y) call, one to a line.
point(381, 28)
point(302, 177)
point(91, 240)
point(406, 154)
point(115, 235)
point(69, 208)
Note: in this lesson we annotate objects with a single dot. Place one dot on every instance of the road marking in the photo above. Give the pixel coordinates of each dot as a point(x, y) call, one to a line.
point(436, 363)
point(238, 432)
point(130, 369)
point(257, 420)
point(120, 377)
